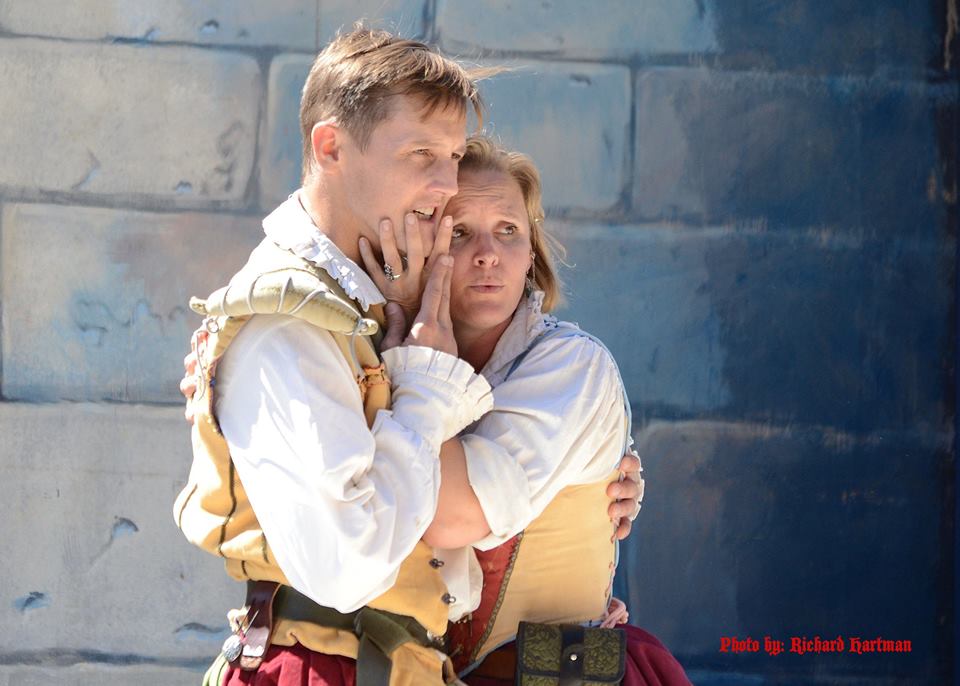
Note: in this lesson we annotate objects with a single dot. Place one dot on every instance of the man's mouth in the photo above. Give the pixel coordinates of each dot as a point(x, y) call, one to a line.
point(425, 212)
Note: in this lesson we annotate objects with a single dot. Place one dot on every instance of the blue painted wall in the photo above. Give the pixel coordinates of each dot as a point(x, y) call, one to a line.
point(794, 369)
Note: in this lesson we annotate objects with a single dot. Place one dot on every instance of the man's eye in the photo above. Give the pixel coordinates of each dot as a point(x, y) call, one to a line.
point(457, 156)
point(458, 232)
point(421, 151)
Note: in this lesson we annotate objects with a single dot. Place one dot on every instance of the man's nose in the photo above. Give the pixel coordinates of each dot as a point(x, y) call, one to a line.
point(444, 179)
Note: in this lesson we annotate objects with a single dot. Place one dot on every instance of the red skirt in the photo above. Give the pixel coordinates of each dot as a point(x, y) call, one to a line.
point(296, 666)
point(648, 663)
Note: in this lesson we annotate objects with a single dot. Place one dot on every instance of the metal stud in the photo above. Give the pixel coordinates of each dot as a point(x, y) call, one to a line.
point(232, 647)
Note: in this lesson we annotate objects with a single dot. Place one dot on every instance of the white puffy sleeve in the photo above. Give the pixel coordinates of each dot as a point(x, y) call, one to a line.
point(558, 420)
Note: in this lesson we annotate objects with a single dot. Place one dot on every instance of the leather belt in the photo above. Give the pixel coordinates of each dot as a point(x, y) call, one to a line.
point(379, 632)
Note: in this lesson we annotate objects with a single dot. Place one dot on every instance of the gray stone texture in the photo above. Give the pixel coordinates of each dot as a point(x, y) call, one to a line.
point(95, 300)
point(785, 327)
point(96, 568)
point(616, 29)
point(87, 674)
point(290, 23)
point(404, 17)
point(281, 152)
point(573, 120)
point(169, 125)
point(744, 525)
point(777, 151)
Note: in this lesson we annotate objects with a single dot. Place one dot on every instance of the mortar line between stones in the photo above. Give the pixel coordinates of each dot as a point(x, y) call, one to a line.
point(68, 658)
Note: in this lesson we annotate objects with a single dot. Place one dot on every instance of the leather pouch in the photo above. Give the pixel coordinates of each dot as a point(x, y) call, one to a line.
point(569, 655)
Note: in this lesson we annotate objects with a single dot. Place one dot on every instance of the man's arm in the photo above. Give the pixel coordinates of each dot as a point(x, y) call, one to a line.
point(340, 504)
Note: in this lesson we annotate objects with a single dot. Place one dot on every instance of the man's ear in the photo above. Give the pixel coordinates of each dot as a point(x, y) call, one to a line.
point(325, 140)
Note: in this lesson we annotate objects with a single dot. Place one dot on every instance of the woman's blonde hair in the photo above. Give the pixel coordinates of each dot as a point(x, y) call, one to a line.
point(485, 154)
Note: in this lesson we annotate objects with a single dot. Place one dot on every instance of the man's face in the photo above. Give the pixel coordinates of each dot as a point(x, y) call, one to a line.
point(409, 165)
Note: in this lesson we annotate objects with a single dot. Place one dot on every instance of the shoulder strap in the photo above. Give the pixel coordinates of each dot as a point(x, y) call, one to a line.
point(276, 281)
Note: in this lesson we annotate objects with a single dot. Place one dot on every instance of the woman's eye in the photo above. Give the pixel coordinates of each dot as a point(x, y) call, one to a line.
point(510, 229)
point(421, 151)
point(458, 232)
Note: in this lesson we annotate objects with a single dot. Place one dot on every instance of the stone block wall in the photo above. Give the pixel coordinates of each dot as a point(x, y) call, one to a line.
point(759, 206)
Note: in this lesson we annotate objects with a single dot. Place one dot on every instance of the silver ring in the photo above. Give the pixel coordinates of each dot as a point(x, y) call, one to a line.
point(389, 273)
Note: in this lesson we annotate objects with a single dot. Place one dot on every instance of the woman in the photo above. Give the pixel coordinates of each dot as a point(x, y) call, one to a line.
point(527, 483)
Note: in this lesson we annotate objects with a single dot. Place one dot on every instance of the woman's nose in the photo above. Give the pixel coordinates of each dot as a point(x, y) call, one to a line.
point(486, 253)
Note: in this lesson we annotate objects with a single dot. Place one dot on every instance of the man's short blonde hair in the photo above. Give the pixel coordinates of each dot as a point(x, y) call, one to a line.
point(354, 78)
point(485, 154)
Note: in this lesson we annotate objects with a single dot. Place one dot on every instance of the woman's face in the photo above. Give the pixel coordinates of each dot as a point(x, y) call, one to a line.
point(491, 251)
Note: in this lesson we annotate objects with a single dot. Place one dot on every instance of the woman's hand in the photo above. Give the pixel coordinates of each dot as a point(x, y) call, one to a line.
point(431, 327)
point(189, 383)
point(411, 271)
point(626, 494)
point(616, 614)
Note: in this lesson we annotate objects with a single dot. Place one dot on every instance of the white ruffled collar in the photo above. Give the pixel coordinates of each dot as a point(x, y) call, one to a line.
point(528, 322)
point(290, 227)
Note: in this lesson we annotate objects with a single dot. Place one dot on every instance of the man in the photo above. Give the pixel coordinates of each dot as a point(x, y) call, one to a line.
point(292, 447)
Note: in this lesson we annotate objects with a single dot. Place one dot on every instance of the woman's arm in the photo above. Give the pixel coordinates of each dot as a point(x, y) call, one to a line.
point(459, 519)
point(558, 420)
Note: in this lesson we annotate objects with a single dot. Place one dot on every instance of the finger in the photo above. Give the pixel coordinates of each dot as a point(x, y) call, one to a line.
point(443, 312)
point(428, 238)
point(373, 267)
point(400, 235)
point(441, 245)
point(396, 326)
point(630, 464)
point(388, 246)
point(414, 241)
point(188, 386)
point(433, 291)
point(621, 509)
point(628, 489)
point(623, 529)
point(190, 363)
